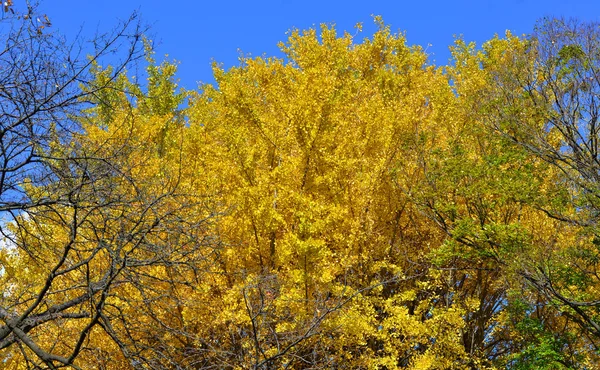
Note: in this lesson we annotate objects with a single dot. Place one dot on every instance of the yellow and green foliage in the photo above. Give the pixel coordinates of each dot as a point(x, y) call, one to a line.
point(347, 206)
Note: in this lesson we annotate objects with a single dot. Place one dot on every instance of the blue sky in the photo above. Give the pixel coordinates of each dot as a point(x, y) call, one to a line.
point(197, 32)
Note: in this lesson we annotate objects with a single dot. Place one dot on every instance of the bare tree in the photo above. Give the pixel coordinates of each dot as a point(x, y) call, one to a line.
point(87, 229)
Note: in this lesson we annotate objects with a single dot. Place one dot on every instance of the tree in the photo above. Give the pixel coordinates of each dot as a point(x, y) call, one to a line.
point(538, 97)
point(88, 210)
point(326, 255)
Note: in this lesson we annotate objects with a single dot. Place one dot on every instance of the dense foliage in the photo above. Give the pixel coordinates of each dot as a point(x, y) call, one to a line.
point(347, 206)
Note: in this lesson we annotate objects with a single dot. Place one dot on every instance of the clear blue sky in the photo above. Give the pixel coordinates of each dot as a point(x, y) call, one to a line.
point(197, 32)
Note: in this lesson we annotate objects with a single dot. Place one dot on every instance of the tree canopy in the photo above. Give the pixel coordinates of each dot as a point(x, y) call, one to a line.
point(349, 205)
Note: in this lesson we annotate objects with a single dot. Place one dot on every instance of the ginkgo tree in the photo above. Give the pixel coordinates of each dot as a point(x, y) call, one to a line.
point(326, 252)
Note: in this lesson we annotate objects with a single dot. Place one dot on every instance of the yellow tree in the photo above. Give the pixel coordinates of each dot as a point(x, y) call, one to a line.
point(325, 255)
